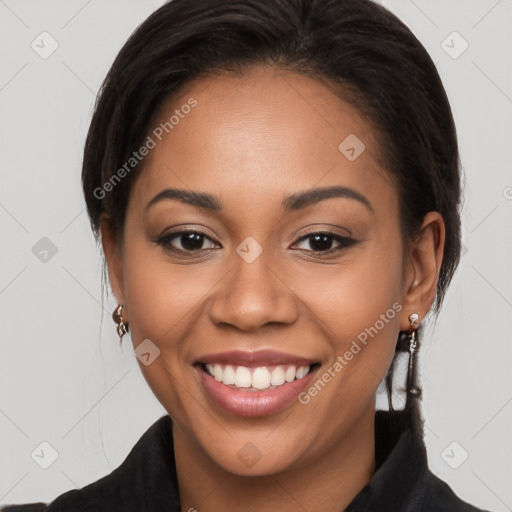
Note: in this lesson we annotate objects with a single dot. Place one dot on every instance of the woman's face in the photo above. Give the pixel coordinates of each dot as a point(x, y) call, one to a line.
point(295, 260)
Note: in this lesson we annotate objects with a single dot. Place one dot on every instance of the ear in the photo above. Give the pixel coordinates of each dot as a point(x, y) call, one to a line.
point(424, 258)
point(112, 253)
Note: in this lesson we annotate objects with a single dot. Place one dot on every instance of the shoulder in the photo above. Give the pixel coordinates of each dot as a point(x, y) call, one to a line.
point(90, 498)
point(31, 507)
point(404, 480)
point(146, 471)
point(441, 496)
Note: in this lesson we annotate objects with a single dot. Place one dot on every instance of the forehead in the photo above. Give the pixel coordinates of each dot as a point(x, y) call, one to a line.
point(264, 134)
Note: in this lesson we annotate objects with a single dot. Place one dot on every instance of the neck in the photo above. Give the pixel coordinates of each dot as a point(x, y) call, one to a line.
point(329, 482)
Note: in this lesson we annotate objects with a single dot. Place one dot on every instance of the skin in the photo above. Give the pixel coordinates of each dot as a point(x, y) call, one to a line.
point(251, 141)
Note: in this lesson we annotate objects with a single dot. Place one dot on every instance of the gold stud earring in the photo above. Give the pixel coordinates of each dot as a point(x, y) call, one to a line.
point(122, 327)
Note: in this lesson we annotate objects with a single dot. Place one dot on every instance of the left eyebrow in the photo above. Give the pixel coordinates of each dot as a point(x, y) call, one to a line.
point(315, 195)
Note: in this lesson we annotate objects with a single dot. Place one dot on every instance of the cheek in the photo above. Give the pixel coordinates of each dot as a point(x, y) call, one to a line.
point(162, 301)
point(357, 305)
point(352, 296)
point(161, 298)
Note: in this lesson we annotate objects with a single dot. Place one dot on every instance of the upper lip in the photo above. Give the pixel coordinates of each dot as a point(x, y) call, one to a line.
point(254, 358)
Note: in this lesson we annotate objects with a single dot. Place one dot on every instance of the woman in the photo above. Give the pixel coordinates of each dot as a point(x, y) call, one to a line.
point(275, 184)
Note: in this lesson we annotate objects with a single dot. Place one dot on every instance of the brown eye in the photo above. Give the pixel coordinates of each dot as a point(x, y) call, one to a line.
point(323, 242)
point(186, 241)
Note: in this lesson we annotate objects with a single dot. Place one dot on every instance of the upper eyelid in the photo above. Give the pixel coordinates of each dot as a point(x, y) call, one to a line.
point(175, 234)
point(335, 236)
point(323, 232)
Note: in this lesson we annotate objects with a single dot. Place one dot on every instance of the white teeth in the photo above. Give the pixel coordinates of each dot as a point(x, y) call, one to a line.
point(217, 372)
point(277, 376)
point(256, 378)
point(289, 374)
point(243, 377)
point(229, 376)
point(301, 372)
point(261, 378)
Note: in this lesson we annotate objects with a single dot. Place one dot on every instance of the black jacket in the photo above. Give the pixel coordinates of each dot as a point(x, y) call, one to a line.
point(146, 481)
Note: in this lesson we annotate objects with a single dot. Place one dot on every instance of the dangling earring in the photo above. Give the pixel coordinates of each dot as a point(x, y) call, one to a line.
point(122, 328)
point(413, 390)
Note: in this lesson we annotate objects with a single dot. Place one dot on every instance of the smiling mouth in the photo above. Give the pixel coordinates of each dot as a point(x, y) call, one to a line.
point(261, 378)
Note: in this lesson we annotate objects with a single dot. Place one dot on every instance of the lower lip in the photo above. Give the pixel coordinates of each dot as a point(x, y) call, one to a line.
point(253, 403)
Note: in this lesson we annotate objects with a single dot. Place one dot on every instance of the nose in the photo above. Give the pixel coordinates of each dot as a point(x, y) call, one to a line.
point(253, 295)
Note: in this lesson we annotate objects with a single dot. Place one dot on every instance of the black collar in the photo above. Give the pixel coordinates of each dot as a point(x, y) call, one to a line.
point(147, 482)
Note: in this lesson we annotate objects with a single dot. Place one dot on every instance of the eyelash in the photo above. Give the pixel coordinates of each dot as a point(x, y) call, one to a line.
point(165, 241)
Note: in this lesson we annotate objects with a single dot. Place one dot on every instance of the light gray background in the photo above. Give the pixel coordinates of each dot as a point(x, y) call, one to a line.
point(63, 377)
